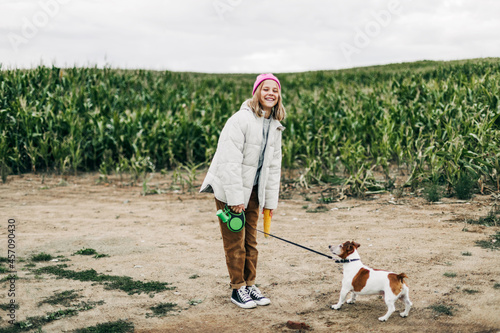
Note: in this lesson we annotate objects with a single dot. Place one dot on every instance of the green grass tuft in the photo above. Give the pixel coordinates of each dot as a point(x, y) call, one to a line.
point(8, 306)
point(433, 193)
point(493, 243)
point(32, 323)
point(9, 277)
point(464, 187)
point(63, 298)
point(42, 257)
point(120, 326)
point(442, 309)
point(90, 252)
point(471, 291)
point(124, 283)
point(319, 209)
point(86, 252)
point(161, 309)
point(490, 220)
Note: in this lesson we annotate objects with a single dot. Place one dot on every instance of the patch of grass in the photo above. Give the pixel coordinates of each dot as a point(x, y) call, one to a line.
point(86, 252)
point(120, 326)
point(90, 252)
point(433, 193)
point(42, 257)
point(493, 243)
point(3, 269)
point(326, 200)
point(32, 323)
point(467, 254)
point(161, 309)
point(56, 315)
point(10, 277)
point(452, 275)
point(465, 186)
point(194, 276)
point(124, 283)
point(8, 306)
point(496, 286)
point(442, 309)
point(64, 298)
point(470, 291)
point(490, 220)
point(319, 209)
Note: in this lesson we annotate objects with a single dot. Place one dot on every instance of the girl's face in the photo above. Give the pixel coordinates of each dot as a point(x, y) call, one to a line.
point(269, 95)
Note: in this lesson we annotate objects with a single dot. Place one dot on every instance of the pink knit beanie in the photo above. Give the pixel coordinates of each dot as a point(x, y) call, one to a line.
point(263, 77)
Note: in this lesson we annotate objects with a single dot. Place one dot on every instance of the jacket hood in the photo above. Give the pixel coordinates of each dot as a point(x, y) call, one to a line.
point(245, 106)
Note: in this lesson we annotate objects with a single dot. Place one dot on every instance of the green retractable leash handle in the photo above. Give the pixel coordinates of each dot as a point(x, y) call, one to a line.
point(235, 222)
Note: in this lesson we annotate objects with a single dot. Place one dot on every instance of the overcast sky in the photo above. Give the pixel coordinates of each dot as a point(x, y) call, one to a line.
point(244, 35)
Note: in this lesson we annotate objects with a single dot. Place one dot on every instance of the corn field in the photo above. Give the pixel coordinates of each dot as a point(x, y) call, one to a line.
point(432, 121)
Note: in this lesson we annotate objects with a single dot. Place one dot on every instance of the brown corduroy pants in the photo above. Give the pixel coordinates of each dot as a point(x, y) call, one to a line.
point(241, 247)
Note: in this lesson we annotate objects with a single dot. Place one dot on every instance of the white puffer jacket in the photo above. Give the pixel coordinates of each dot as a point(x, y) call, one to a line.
point(232, 172)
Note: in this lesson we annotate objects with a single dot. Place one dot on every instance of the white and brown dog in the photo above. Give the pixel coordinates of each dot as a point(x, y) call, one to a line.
point(363, 280)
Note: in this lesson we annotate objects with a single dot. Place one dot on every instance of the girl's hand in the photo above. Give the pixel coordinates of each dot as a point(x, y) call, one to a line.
point(270, 212)
point(238, 209)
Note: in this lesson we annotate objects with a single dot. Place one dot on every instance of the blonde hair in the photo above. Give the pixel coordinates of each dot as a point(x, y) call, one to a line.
point(278, 111)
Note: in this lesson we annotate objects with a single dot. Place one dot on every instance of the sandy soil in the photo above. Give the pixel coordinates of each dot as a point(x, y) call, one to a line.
point(174, 237)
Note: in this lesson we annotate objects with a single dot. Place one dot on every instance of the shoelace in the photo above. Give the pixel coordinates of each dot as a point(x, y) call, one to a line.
point(254, 291)
point(245, 297)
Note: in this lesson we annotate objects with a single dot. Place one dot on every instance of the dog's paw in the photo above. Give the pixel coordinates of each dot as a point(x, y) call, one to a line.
point(382, 319)
point(403, 314)
point(336, 307)
point(351, 301)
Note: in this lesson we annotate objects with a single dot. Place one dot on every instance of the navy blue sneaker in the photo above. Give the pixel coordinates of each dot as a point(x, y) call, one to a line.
point(242, 298)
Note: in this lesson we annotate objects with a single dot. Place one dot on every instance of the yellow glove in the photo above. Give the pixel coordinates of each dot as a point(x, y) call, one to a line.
point(267, 222)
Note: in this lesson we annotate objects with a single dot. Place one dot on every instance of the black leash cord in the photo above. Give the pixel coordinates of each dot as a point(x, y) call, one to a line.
point(306, 248)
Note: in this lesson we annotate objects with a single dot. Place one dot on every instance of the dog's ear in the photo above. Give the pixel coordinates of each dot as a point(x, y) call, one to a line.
point(356, 245)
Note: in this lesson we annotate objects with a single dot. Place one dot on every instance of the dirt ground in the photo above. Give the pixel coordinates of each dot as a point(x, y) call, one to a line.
point(174, 237)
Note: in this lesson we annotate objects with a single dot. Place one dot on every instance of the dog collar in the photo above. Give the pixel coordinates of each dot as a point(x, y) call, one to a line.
point(343, 261)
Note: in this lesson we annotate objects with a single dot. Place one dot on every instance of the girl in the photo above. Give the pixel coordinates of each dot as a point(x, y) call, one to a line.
point(245, 174)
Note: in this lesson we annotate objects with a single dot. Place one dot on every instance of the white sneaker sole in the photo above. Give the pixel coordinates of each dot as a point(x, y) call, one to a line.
point(265, 301)
point(248, 305)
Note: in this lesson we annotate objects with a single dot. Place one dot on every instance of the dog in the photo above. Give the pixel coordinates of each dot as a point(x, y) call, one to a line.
point(363, 280)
